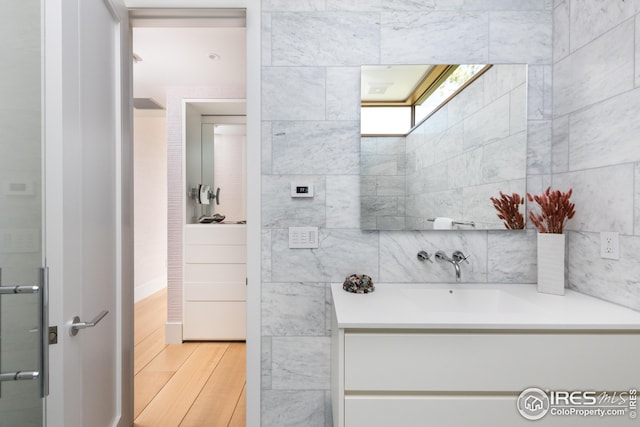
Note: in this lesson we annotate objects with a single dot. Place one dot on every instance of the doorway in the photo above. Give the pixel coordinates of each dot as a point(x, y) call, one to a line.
point(189, 62)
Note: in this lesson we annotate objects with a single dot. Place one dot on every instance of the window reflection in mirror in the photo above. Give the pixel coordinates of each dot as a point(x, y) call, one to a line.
point(470, 146)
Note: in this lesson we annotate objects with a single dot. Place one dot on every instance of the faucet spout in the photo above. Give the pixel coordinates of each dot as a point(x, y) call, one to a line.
point(455, 261)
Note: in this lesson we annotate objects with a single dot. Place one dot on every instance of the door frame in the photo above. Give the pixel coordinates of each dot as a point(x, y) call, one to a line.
point(254, 172)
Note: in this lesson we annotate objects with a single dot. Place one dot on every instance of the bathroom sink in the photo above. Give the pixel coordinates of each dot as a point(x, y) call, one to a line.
point(466, 300)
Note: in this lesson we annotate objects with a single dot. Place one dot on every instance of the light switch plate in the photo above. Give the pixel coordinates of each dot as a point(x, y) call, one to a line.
point(610, 245)
point(303, 237)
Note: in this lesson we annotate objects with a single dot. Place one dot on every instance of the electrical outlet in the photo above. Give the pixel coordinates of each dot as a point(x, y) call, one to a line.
point(609, 245)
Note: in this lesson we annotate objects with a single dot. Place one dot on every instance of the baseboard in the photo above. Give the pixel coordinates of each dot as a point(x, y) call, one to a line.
point(149, 288)
point(173, 332)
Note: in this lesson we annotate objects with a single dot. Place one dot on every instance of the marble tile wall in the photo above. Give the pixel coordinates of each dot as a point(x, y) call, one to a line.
point(311, 56)
point(596, 99)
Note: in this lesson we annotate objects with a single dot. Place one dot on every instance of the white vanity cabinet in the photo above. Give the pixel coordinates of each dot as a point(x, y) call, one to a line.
point(410, 370)
point(215, 287)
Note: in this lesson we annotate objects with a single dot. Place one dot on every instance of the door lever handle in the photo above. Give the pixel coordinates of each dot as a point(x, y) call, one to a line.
point(76, 325)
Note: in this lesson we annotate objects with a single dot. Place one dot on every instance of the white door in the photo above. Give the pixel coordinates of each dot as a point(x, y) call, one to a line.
point(88, 204)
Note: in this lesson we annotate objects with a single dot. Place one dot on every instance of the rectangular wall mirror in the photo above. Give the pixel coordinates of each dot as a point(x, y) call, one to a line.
point(438, 141)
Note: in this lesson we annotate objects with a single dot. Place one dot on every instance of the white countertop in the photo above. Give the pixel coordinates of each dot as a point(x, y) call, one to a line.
point(476, 306)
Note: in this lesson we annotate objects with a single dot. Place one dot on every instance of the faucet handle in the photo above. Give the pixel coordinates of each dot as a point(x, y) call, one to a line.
point(423, 256)
point(459, 256)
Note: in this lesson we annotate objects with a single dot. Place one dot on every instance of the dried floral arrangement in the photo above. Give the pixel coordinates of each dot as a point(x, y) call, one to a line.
point(508, 207)
point(555, 210)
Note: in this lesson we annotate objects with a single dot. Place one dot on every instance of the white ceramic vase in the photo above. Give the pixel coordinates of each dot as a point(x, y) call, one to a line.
point(551, 261)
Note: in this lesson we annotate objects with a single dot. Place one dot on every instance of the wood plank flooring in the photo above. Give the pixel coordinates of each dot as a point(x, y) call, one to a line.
point(199, 384)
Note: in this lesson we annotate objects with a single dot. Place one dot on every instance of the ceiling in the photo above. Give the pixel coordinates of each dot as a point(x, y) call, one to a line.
point(389, 83)
point(186, 56)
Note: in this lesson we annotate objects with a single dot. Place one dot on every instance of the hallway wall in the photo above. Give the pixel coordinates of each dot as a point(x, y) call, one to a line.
point(150, 198)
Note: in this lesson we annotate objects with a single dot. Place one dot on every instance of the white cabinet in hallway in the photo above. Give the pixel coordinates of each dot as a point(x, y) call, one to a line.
point(215, 282)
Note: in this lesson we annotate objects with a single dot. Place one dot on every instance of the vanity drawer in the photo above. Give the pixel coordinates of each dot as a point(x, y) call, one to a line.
point(489, 361)
point(214, 320)
point(421, 411)
point(215, 272)
point(215, 254)
point(215, 234)
point(206, 291)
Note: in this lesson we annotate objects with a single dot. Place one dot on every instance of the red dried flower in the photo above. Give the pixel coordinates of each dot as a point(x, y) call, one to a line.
point(555, 210)
point(508, 208)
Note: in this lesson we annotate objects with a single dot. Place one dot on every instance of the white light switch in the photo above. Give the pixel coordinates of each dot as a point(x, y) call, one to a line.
point(303, 237)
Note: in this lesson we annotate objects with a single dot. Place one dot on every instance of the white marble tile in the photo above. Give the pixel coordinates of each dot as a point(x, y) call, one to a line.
point(279, 209)
point(328, 309)
point(507, 4)
point(265, 39)
point(561, 28)
point(603, 198)
point(402, 32)
point(636, 199)
point(488, 124)
point(408, 5)
point(505, 159)
point(319, 38)
point(281, 89)
point(265, 255)
point(503, 78)
point(296, 309)
point(300, 363)
point(586, 76)
point(316, 147)
point(343, 201)
point(293, 5)
point(523, 37)
point(617, 281)
point(605, 133)
point(343, 93)
point(518, 109)
point(355, 5)
point(590, 19)
point(398, 250)
point(477, 205)
point(293, 408)
point(266, 146)
point(560, 144)
point(539, 146)
point(637, 53)
point(379, 164)
point(512, 257)
point(535, 92)
point(265, 363)
point(340, 253)
point(466, 170)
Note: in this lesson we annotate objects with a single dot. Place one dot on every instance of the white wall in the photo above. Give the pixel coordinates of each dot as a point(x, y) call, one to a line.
point(150, 198)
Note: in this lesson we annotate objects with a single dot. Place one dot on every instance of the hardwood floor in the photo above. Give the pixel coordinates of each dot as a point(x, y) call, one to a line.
point(199, 384)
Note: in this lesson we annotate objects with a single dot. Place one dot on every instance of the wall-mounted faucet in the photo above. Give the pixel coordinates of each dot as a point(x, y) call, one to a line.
point(456, 258)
